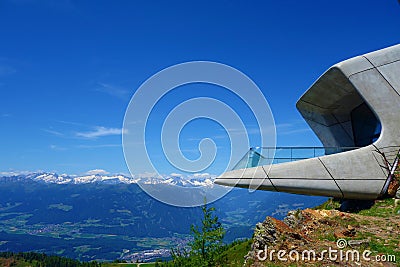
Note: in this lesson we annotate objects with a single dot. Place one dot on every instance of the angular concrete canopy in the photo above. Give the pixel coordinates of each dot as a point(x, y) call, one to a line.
point(354, 103)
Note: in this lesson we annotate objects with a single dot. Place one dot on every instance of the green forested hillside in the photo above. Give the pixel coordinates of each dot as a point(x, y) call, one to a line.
point(106, 222)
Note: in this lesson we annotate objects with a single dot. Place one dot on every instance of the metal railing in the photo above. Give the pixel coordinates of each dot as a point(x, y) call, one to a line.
point(258, 156)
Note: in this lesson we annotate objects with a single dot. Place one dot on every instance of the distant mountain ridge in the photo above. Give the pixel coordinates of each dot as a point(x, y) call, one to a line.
point(54, 178)
point(104, 216)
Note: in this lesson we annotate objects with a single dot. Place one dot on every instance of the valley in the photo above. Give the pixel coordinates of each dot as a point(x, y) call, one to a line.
point(101, 221)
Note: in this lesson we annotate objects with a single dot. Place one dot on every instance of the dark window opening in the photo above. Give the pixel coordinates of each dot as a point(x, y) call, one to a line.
point(366, 126)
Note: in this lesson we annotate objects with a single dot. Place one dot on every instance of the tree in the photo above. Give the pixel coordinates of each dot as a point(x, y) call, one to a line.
point(207, 238)
point(206, 244)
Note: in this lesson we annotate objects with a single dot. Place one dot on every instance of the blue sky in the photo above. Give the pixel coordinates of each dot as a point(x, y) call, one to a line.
point(69, 68)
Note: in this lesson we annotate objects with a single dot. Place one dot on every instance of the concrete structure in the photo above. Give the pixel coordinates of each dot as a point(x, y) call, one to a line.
point(355, 103)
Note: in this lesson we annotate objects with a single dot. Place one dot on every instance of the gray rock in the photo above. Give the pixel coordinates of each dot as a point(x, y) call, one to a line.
point(265, 234)
point(357, 243)
point(293, 218)
point(398, 193)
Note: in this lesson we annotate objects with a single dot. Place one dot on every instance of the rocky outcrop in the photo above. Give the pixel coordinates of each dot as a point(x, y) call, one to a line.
point(318, 231)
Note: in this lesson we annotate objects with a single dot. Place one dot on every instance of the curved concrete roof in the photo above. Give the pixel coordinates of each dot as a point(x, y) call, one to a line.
point(355, 102)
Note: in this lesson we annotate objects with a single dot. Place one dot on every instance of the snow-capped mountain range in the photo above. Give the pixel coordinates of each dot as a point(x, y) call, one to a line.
point(54, 178)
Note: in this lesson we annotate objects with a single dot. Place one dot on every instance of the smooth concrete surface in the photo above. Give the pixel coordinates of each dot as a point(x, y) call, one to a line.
point(369, 82)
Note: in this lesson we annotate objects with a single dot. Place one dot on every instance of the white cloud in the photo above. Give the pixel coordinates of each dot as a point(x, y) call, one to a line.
point(97, 171)
point(14, 173)
point(57, 148)
point(99, 146)
point(70, 123)
point(200, 175)
point(6, 70)
point(294, 127)
point(100, 131)
point(176, 174)
point(113, 90)
point(56, 133)
point(247, 131)
point(149, 175)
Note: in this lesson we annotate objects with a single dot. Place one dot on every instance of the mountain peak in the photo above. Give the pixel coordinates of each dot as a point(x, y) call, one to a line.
point(54, 178)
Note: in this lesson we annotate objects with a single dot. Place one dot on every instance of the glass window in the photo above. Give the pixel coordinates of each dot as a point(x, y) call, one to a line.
point(366, 126)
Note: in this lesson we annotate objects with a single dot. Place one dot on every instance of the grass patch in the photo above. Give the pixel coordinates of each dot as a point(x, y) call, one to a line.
point(330, 204)
point(381, 208)
point(235, 254)
point(149, 264)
